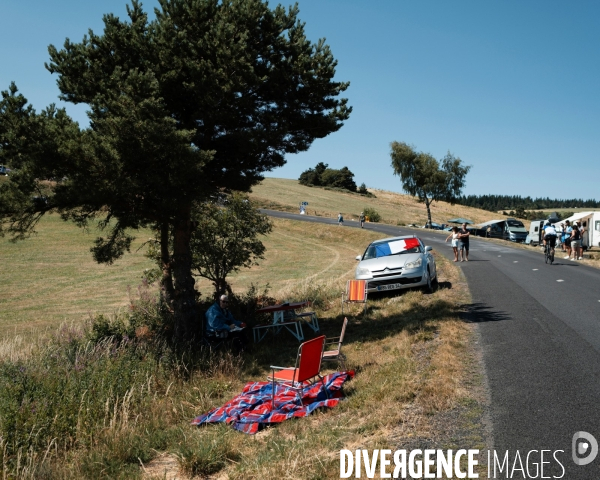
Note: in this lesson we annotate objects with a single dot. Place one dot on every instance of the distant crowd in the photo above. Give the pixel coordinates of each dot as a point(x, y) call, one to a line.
point(571, 237)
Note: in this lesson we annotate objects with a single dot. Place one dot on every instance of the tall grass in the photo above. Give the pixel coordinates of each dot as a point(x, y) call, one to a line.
point(97, 407)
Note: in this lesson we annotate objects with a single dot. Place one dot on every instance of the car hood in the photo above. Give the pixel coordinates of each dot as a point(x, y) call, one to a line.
point(390, 262)
point(517, 230)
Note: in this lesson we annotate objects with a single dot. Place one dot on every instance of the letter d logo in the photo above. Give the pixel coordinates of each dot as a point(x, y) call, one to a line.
point(588, 448)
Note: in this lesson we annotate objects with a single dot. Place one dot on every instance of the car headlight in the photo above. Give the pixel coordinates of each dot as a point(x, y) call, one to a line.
point(416, 264)
point(363, 272)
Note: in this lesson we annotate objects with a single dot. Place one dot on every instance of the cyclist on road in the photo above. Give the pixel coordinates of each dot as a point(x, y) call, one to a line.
point(550, 235)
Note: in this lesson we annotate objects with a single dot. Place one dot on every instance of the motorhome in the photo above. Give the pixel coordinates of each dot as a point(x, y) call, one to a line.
point(591, 223)
point(535, 232)
point(536, 229)
point(508, 229)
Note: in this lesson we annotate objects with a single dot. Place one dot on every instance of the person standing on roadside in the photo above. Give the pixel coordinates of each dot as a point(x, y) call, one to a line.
point(464, 243)
point(575, 241)
point(568, 231)
point(454, 236)
point(582, 229)
point(340, 219)
point(361, 219)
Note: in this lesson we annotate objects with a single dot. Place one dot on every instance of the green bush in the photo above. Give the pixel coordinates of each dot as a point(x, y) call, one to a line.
point(372, 214)
point(146, 316)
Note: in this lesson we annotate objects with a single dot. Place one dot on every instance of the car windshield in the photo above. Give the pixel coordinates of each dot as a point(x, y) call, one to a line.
point(393, 247)
point(514, 223)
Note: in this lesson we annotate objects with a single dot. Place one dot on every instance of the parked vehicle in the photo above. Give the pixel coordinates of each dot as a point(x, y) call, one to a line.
point(434, 226)
point(507, 229)
point(397, 263)
point(3, 170)
point(535, 233)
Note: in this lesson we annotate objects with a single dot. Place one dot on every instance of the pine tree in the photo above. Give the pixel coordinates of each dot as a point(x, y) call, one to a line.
point(203, 99)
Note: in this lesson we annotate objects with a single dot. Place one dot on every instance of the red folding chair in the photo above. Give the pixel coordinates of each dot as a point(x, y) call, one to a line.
point(306, 371)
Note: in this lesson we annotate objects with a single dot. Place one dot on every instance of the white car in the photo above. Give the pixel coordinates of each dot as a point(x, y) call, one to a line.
point(397, 263)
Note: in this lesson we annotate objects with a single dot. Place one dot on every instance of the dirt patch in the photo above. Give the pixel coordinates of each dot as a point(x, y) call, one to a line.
point(164, 467)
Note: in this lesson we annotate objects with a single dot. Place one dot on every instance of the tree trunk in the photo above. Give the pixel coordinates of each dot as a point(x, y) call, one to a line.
point(427, 204)
point(166, 282)
point(222, 287)
point(184, 298)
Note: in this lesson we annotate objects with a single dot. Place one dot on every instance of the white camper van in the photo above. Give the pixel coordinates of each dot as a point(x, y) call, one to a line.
point(535, 232)
point(591, 222)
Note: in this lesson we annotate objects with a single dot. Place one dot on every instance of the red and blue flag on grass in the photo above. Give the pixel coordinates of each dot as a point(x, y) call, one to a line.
point(252, 409)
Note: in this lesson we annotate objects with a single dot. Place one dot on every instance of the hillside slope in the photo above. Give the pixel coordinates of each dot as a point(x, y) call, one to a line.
point(394, 208)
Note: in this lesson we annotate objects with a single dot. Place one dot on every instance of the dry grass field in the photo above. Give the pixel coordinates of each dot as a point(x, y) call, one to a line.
point(51, 278)
point(417, 381)
point(394, 208)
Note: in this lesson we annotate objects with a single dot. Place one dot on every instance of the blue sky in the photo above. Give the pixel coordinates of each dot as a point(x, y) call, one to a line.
point(510, 87)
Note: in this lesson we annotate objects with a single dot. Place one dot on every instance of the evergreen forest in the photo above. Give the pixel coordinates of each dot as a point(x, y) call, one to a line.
point(495, 203)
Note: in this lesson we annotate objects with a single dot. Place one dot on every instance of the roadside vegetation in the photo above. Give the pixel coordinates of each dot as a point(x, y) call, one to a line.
point(109, 398)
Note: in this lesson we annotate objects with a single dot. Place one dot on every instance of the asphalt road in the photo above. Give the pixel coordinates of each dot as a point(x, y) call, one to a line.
point(539, 328)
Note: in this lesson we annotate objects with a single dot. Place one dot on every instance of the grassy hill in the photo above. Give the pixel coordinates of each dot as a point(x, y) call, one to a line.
point(394, 208)
point(51, 277)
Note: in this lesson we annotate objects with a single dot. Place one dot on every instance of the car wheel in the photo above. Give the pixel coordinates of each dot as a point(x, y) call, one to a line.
point(428, 287)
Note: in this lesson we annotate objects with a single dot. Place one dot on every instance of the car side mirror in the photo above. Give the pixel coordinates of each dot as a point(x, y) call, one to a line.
point(358, 258)
point(428, 249)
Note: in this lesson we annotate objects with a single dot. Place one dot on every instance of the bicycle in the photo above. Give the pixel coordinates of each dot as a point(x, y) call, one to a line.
point(548, 253)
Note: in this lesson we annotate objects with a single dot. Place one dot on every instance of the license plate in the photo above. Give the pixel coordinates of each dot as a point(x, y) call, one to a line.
point(391, 286)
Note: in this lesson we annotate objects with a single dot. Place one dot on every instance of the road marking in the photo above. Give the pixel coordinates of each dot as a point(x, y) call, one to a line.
point(559, 280)
point(515, 261)
point(536, 269)
point(499, 255)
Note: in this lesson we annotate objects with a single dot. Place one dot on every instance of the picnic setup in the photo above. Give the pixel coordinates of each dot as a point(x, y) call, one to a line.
point(288, 391)
point(286, 317)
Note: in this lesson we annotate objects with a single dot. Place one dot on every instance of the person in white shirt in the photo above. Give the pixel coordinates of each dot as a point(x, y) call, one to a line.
point(550, 235)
